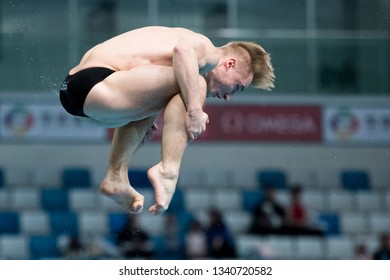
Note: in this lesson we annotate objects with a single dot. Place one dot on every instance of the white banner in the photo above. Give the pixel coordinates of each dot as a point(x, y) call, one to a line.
point(202, 269)
point(45, 121)
point(356, 125)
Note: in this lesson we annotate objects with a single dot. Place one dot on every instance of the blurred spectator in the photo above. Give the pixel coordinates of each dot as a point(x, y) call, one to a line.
point(219, 241)
point(269, 216)
point(298, 222)
point(134, 243)
point(171, 235)
point(297, 215)
point(383, 252)
point(196, 242)
point(71, 247)
point(361, 253)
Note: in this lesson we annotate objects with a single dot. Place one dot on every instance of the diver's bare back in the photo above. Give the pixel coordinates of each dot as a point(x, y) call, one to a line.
point(144, 46)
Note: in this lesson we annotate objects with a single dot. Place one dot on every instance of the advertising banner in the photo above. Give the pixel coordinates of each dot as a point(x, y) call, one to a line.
point(357, 125)
point(44, 121)
point(264, 123)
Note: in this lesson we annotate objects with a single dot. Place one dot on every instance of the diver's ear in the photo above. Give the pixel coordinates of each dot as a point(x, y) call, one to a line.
point(231, 63)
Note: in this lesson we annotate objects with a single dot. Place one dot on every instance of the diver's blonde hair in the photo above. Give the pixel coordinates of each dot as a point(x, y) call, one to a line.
point(260, 63)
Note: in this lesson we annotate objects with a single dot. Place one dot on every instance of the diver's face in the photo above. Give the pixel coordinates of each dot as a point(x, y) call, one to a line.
point(225, 80)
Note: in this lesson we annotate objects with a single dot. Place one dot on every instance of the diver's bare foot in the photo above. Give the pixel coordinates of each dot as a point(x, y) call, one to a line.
point(123, 194)
point(164, 184)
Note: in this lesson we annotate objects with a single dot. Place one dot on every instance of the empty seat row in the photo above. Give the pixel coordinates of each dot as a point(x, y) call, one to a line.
point(348, 179)
point(89, 221)
point(314, 200)
point(84, 223)
point(66, 178)
point(54, 199)
point(354, 223)
point(69, 177)
point(19, 247)
point(39, 222)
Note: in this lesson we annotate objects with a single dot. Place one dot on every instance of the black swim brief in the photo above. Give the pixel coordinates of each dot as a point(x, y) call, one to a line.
point(75, 88)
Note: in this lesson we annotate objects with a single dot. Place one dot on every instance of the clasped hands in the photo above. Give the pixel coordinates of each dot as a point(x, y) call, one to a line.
point(196, 123)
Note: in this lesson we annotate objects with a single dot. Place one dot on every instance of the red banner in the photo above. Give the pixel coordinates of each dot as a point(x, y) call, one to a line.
point(267, 123)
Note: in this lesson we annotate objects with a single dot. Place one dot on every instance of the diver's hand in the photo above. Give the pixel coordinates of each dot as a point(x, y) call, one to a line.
point(196, 123)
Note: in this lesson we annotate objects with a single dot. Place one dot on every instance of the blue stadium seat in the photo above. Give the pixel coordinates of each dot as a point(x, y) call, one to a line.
point(139, 178)
point(158, 244)
point(177, 203)
point(355, 180)
point(272, 177)
point(116, 221)
point(250, 200)
point(44, 247)
point(63, 222)
point(2, 179)
point(161, 251)
point(9, 223)
point(76, 177)
point(184, 220)
point(330, 222)
point(54, 200)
